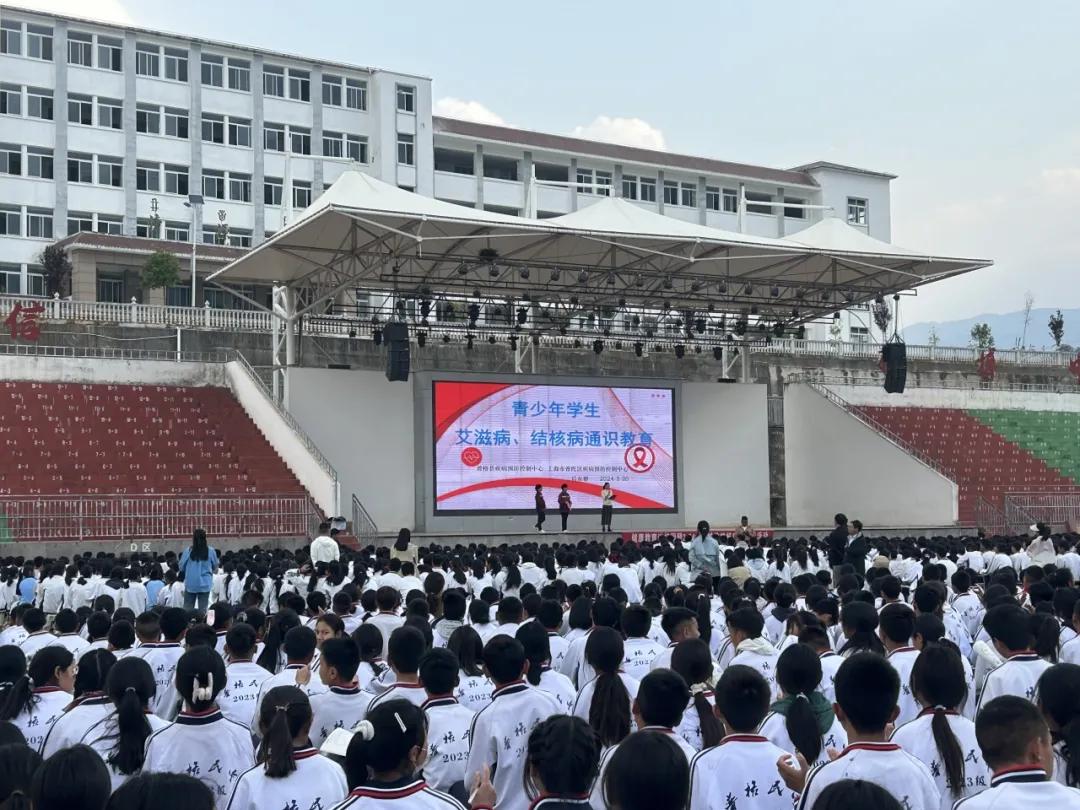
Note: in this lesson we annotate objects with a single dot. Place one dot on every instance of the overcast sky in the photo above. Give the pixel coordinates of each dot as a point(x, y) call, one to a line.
point(972, 104)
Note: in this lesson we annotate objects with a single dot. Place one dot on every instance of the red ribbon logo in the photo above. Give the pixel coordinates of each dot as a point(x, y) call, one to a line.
point(639, 458)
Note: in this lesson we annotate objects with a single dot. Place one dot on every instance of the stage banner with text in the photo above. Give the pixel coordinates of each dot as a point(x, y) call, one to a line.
point(494, 442)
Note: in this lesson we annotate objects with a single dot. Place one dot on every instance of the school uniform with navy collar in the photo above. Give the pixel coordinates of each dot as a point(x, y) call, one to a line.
point(77, 718)
point(407, 794)
point(239, 700)
point(886, 765)
point(1022, 787)
point(162, 658)
point(206, 745)
point(902, 659)
point(316, 784)
point(448, 740)
point(46, 708)
point(1016, 675)
point(412, 692)
point(743, 767)
point(103, 736)
point(73, 642)
point(917, 739)
point(774, 728)
point(596, 798)
point(546, 802)
point(500, 736)
point(36, 641)
point(337, 707)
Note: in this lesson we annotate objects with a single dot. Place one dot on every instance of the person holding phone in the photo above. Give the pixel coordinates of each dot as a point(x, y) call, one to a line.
point(607, 506)
point(565, 503)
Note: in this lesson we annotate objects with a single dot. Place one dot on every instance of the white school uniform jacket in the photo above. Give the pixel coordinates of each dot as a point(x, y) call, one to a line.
point(13, 636)
point(638, 655)
point(162, 658)
point(48, 707)
point(52, 595)
point(741, 766)
point(662, 660)
point(917, 739)
point(559, 687)
point(830, 664)
point(102, 737)
point(763, 663)
point(1016, 676)
point(902, 660)
point(337, 707)
point(500, 735)
point(387, 624)
point(317, 782)
point(596, 798)
point(1070, 651)
point(474, 691)
point(689, 729)
point(406, 794)
point(884, 764)
point(412, 692)
point(558, 646)
point(1022, 788)
point(206, 745)
point(774, 728)
point(448, 740)
point(585, 695)
point(36, 641)
point(239, 700)
point(74, 643)
point(70, 726)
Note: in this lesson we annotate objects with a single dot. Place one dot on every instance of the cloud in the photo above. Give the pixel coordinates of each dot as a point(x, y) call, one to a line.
point(625, 131)
point(1061, 180)
point(474, 111)
point(105, 10)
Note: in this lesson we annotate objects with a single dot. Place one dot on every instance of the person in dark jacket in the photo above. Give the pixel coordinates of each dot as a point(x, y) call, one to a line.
point(837, 544)
point(541, 508)
point(857, 549)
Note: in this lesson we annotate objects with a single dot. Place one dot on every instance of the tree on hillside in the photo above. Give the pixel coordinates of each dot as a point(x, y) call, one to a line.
point(57, 266)
point(1057, 328)
point(932, 337)
point(981, 336)
point(1029, 302)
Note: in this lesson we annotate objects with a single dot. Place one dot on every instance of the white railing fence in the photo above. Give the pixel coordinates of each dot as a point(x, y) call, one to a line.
point(363, 525)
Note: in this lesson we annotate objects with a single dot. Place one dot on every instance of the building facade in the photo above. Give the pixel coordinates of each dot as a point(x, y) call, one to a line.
point(112, 129)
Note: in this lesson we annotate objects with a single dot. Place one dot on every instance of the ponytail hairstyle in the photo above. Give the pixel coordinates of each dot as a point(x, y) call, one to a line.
point(1059, 699)
point(938, 683)
point(466, 644)
point(549, 568)
point(385, 742)
point(798, 556)
point(434, 588)
point(284, 715)
point(609, 712)
point(130, 687)
point(860, 620)
point(534, 639)
point(369, 639)
point(693, 661)
point(12, 669)
point(229, 569)
point(564, 753)
point(798, 673)
point(703, 608)
point(41, 671)
point(94, 668)
point(18, 763)
point(513, 575)
point(282, 622)
point(200, 677)
point(1046, 632)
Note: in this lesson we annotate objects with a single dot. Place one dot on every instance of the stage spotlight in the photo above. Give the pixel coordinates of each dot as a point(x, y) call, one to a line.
point(522, 315)
point(352, 333)
point(425, 308)
point(448, 312)
point(668, 283)
point(555, 273)
point(463, 269)
point(400, 307)
point(573, 300)
point(445, 338)
point(597, 346)
point(667, 305)
point(635, 321)
point(493, 271)
point(513, 342)
point(618, 345)
point(562, 331)
point(711, 307)
point(639, 280)
point(754, 309)
point(421, 339)
point(639, 347)
point(824, 295)
point(469, 338)
point(748, 289)
point(849, 296)
point(376, 335)
point(622, 303)
point(836, 315)
point(699, 326)
point(722, 288)
point(697, 350)
point(878, 299)
point(524, 272)
point(695, 286)
point(774, 291)
point(717, 353)
point(491, 339)
point(536, 340)
point(794, 312)
point(800, 294)
point(577, 343)
point(582, 277)
point(474, 314)
point(778, 329)
point(611, 278)
point(680, 351)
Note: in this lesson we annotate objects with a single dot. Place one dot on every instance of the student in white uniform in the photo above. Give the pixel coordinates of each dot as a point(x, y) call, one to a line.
point(1009, 628)
point(299, 647)
point(605, 701)
point(678, 624)
point(38, 698)
point(90, 704)
point(474, 687)
point(120, 737)
point(534, 638)
point(500, 731)
point(744, 762)
point(1016, 745)
point(71, 779)
point(66, 626)
point(693, 662)
point(647, 770)
point(561, 764)
point(383, 761)
point(640, 650)
point(1059, 701)
point(752, 649)
point(867, 688)
point(896, 627)
point(817, 639)
point(803, 720)
point(343, 704)
point(448, 721)
point(290, 771)
point(387, 619)
point(162, 658)
point(244, 678)
point(940, 737)
point(37, 636)
point(407, 647)
point(202, 742)
point(550, 618)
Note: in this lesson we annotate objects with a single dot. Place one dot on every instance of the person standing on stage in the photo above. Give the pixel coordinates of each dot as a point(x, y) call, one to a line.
point(541, 508)
point(607, 504)
point(564, 504)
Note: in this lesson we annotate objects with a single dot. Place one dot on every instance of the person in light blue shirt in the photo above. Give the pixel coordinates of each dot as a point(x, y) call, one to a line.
point(28, 586)
point(705, 553)
point(154, 585)
point(197, 564)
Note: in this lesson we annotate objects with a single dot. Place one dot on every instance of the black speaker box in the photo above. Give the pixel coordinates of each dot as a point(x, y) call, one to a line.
point(895, 356)
point(396, 337)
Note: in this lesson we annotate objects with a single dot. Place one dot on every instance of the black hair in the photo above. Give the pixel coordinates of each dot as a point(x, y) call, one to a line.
point(675, 616)
point(439, 671)
point(867, 688)
point(130, 687)
point(636, 621)
point(855, 794)
point(550, 614)
point(742, 698)
point(467, 645)
point(65, 622)
point(93, 671)
point(1005, 727)
point(938, 682)
point(200, 635)
point(1009, 624)
point(18, 762)
point(453, 605)
point(173, 622)
point(279, 626)
point(369, 640)
point(396, 726)
point(662, 698)
point(299, 644)
point(897, 623)
point(200, 668)
point(240, 640)
point(10, 734)
point(199, 549)
point(564, 753)
point(1059, 700)
point(405, 649)
point(284, 714)
point(20, 697)
point(648, 771)
point(504, 658)
point(34, 620)
point(534, 639)
point(162, 791)
point(929, 627)
point(98, 624)
point(861, 620)
point(798, 673)
point(73, 778)
point(342, 654)
point(692, 660)
point(609, 712)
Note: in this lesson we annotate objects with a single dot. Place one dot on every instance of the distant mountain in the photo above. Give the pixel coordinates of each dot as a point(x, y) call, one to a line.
point(1007, 329)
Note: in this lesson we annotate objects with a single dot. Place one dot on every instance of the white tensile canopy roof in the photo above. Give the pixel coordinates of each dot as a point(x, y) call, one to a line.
point(365, 233)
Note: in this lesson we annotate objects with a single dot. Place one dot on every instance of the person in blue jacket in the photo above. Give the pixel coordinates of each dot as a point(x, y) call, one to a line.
point(197, 564)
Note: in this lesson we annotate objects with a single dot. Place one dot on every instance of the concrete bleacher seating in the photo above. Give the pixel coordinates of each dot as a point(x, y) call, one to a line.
point(990, 453)
point(74, 438)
